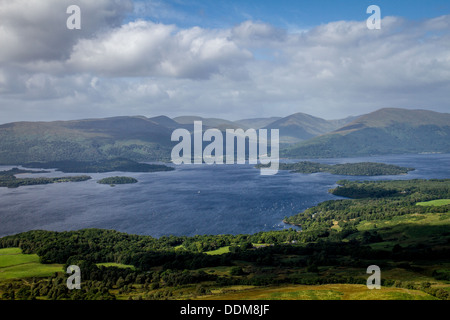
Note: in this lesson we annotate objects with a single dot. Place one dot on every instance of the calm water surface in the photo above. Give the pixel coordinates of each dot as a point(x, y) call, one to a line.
point(191, 200)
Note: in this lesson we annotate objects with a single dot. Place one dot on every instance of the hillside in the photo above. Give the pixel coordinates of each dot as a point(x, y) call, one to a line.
point(301, 126)
point(136, 138)
point(220, 124)
point(386, 131)
point(294, 128)
point(257, 123)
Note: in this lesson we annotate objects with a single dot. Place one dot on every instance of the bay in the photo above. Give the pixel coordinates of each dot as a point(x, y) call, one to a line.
point(193, 199)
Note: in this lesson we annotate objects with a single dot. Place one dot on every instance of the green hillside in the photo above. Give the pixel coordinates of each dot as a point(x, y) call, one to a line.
point(216, 123)
point(256, 123)
point(15, 265)
point(136, 138)
point(301, 126)
point(386, 131)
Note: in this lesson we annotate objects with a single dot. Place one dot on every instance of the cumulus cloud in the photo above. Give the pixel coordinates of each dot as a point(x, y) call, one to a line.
point(144, 48)
point(250, 33)
point(253, 69)
point(34, 30)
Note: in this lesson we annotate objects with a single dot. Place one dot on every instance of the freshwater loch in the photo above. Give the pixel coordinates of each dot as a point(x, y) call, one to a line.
point(193, 199)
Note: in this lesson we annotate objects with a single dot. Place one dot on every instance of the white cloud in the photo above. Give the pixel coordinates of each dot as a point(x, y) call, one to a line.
point(250, 33)
point(251, 70)
point(34, 30)
point(144, 48)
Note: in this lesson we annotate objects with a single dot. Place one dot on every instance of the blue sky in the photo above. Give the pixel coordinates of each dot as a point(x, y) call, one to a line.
point(289, 14)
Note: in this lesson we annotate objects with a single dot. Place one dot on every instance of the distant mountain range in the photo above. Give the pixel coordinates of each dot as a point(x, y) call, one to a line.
point(386, 131)
point(301, 126)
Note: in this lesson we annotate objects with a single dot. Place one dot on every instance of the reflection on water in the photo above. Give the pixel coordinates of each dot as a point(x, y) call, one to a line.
point(191, 200)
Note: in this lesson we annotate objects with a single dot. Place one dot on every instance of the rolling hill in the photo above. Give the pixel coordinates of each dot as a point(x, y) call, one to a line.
point(256, 123)
point(135, 138)
point(216, 123)
point(386, 131)
point(301, 126)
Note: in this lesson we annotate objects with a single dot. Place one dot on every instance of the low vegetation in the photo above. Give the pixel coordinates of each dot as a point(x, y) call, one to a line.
point(436, 203)
point(16, 265)
point(348, 169)
point(117, 180)
point(327, 259)
point(118, 164)
point(9, 180)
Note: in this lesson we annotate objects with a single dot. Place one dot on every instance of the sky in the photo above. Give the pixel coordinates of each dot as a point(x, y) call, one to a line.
point(223, 59)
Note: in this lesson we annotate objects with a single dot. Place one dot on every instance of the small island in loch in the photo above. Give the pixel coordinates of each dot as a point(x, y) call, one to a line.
point(112, 181)
point(9, 180)
point(100, 166)
point(346, 169)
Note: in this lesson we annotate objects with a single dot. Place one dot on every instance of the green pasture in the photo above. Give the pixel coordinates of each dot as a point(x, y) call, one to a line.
point(16, 265)
point(434, 203)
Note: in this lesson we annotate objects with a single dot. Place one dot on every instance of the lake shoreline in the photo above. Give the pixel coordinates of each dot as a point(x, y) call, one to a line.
point(189, 200)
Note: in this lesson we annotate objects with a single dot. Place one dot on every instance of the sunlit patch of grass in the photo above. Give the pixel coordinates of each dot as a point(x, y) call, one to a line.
point(113, 264)
point(10, 251)
point(7, 260)
point(434, 203)
point(16, 265)
point(411, 228)
point(322, 292)
point(307, 295)
point(219, 251)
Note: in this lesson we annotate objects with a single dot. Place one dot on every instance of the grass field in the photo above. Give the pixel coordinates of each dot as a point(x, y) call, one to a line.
point(417, 228)
point(113, 264)
point(16, 265)
point(219, 251)
point(321, 292)
point(435, 203)
point(7, 251)
point(273, 282)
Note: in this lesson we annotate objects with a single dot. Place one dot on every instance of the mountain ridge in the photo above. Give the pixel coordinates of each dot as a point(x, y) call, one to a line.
point(138, 138)
point(384, 131)
point(301, 126)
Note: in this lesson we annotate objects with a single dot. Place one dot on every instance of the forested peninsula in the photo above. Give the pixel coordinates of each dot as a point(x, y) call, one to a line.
point(9, 180)
point(118, 164)
point(347, 169)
